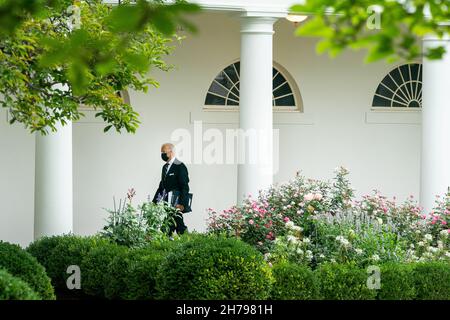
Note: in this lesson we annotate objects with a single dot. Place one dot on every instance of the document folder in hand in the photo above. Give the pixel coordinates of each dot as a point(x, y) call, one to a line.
point(173, 200)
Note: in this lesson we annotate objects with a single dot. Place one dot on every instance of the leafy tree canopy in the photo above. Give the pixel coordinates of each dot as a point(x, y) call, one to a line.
point(58, 55)
point(389, 29)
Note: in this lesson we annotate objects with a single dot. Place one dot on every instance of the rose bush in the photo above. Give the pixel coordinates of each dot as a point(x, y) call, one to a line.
point(314, 222)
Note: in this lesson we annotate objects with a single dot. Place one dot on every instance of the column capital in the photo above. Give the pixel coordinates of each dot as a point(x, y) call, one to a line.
point(260, 24)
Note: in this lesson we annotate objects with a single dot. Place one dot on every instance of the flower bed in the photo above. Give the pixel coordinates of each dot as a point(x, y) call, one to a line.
point(305, 239)
point(314, 222)
point(197, 266)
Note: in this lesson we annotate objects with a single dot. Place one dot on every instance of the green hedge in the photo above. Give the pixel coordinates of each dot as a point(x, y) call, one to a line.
point(21, 264)
point(294, 282)
point(214, 268)
point(203, 267)
point(132, 273)
point(12, 288)
point(397, 282)
point(432, 281)
point(95, 268)
point(344, 282)
point(57, 253)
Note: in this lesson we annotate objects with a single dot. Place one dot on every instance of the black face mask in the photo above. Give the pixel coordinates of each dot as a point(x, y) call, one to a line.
point(164, 156)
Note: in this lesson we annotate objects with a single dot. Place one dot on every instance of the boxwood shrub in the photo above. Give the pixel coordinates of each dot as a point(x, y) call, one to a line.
point(132, 274)
point(432, 280)
point(41, 248)
point(397, 282)
point(95, 268)
point(141, 275)
point(12, 288)
point(344, 282)
point(57, 253)
point(211, 267)
point(21, 264)
point(294, 282)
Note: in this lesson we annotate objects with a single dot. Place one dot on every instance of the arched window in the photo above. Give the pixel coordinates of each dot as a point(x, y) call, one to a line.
point(401, 88)
point(224, 90)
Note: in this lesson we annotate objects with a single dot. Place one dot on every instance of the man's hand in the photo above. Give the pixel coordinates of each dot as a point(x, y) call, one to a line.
point(180, 207)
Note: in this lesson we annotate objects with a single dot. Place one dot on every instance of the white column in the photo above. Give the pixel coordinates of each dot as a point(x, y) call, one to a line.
point(53, 183)
point(435, 166)
point(255, 170)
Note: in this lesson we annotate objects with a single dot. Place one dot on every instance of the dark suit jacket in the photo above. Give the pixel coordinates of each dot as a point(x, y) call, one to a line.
point(176, 179)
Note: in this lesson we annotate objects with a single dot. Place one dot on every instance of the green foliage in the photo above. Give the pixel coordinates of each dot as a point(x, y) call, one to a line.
point(56, 61)
point(114, 283)
point(214, 268)
point(432, 280)
point(12, 288)
point(134, 227)
point(397, 282)
point(294, 282)
point(392, 34)
point(139, 282)
point(21, 264)
point(95, 266)
point(344, 282)
point(57, 253)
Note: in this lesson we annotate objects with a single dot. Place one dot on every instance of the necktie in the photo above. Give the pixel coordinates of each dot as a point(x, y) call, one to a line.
point(166, 166)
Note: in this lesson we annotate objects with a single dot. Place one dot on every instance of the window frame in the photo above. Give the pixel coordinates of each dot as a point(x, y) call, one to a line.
point(298, 107)
point(384, 109)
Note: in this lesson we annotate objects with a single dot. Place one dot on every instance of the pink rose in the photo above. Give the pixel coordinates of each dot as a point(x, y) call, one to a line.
point(318, 196)
point(309, 197)
point(251, 222)
point(286, 219)
point(444, 222)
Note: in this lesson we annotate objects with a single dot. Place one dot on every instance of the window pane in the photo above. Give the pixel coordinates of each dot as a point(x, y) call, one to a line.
point(232, 103)
point(278, 80)
point(231, 73)
point(224, 80)
point(381, 102)
point(383, 91)
point(218, 89)
point(283, 90)
point(287, 101)
point(212, 100)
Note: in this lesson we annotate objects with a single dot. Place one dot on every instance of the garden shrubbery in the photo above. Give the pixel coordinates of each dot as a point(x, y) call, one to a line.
point(432, 281)
point(95, 268)
point(12, 288)
point(196, 266)
point(57, 253)
point(214, 268)
point(21, 264)
point(397, 282)
point(294, 282)
point(140, 279)
point(317, 237)
point(344, 282)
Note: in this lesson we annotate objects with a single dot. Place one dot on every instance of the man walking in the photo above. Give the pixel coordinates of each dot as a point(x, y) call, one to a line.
point(175, 182)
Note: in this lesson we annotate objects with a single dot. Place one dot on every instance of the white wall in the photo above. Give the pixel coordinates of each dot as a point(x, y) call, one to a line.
point(336, 94)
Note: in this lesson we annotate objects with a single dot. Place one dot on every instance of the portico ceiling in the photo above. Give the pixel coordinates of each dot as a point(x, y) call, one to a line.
point(248, 5)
